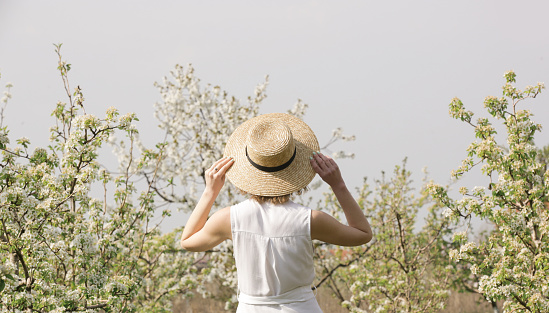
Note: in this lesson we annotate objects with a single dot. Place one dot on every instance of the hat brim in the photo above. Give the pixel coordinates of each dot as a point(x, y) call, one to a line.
point(295, 177)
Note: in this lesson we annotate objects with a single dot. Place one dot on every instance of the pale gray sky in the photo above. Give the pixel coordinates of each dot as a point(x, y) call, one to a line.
point(383, 70)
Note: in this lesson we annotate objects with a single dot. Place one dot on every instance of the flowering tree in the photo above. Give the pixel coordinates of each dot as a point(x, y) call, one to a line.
point(403, 269)
point(60, 248)
point(197, 121)
point(515, 266)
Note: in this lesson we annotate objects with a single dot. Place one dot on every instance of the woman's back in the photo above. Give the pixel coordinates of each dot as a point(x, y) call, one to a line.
point(274, 256)
point(273, 156)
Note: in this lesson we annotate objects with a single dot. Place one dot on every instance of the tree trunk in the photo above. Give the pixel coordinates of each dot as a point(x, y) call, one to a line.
point(494, 307)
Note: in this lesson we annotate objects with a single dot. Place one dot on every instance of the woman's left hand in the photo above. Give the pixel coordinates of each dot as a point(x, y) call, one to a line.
point(215, 175)
point(201, 234)
point(327, 169)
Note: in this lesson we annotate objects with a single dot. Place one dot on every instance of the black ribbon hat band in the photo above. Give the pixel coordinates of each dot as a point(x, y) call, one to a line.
point(271, 169)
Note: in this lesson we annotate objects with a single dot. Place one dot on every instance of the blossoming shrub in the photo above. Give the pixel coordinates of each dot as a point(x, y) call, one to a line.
point(514, 262)
point(404, 269)
point(60, 248)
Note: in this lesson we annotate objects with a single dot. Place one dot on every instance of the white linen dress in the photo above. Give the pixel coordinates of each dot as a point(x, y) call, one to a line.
point(274, 257)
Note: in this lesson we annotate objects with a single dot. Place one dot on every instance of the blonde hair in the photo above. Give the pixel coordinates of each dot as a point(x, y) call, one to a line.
point(274, 199)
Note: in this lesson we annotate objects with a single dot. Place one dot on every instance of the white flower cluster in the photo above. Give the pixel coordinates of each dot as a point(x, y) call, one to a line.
point(197, 121)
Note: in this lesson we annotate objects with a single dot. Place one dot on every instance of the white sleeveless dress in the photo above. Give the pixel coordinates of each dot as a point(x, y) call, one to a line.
point(274, 257)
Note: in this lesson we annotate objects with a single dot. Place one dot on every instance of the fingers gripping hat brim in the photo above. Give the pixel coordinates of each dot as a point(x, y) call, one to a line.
point(296, 176)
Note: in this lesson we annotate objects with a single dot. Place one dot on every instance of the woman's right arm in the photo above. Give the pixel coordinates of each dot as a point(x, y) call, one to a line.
point(326, 228)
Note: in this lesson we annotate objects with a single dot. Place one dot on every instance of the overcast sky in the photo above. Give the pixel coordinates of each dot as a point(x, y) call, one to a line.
point(385, 71)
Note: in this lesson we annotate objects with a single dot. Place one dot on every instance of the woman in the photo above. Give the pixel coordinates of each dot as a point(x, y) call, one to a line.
point(271, 157)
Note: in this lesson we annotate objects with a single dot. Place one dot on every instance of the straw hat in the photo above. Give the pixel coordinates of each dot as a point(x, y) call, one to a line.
point(272, 155)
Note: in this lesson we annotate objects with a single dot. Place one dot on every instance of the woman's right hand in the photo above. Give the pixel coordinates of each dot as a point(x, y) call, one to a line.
point(327, 169)
point(326, 228)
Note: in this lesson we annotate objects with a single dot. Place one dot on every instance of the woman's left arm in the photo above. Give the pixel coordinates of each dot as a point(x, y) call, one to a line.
point(201, 233)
